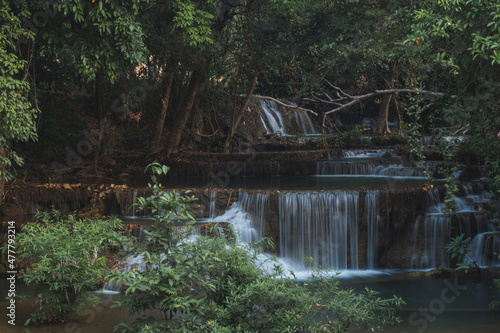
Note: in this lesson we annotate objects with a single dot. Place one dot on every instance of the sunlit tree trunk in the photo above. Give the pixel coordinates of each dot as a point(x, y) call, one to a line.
point(160, 122)
point(239, 114)
point(182, 117)
point(383, 115)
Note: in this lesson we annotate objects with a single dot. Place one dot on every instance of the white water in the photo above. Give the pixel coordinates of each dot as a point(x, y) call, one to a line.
point(367, 168)
point(274, 119)
point(278, 123)
point(435, 229)
point(322, 226)
point(373, 224)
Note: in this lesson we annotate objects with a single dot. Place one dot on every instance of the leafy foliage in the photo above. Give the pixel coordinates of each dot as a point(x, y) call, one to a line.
point(460, 248)
point(63, 261)
point(17, 114)
point(92, 36)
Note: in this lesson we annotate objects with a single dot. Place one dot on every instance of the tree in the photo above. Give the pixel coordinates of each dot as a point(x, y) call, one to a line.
point(17, 113)
point(100, 41)
point(462, 37)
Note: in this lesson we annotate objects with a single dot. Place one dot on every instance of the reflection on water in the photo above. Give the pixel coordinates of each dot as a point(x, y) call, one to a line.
point(433, 305)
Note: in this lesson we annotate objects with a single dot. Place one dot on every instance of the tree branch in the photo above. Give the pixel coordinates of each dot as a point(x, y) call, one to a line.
point(357, 99)
point(284, 104)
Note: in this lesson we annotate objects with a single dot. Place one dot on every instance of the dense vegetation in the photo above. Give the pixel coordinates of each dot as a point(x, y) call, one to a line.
point(106, 77)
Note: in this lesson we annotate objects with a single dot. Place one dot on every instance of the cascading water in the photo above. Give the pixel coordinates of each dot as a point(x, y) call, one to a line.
point(344, 168)
point(367, 168)
point(304, 122)
point(247, 216)
point(486, 249)
point(322, 226)
point(435, 229)
point(273, 118)
point(213, 197)
point(278, 123)
point(372, 224)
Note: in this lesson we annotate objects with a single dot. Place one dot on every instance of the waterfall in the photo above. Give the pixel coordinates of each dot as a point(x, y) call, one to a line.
point(275, 123)
point(304, 122)
point(364, 153)
point(343, 168)
point(134, 200)
point(398, 170)
point(211, 211)
point(435, 230)
point(247, 216)
point(322, 226)
point(367, 168)
point(486, 248)
point(372, 224)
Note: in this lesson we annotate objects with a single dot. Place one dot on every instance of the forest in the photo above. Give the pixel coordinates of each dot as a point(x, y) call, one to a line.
point(262, 107)
point(163, 77)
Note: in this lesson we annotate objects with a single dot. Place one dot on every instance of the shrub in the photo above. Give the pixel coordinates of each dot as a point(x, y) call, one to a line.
point(353, 137)
point(63, 262)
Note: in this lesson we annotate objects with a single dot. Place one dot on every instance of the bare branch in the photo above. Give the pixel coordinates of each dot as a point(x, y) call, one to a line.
point(338, 89)
point(376, 93)
point(285, 105)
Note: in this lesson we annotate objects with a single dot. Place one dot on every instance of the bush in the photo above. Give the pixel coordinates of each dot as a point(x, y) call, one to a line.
point(212, 285)
point(63, 262)
point(379, 139)
point(398, 139)
point(353, 137)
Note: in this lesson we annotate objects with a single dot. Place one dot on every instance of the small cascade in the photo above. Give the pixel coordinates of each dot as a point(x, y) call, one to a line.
point(255, 205)
point(436, 237)
point(344, 168)
point(134, 201)
point(247, 216)
point(321, 226)
point(435, 231)
point(476, 192)
point(284, 123)
point(486, 249)
point(367, 168)
point(364, 153)
point(372, 224)
point(304, 122)
point(273, 121)
point(211, 211)
point(398, 170)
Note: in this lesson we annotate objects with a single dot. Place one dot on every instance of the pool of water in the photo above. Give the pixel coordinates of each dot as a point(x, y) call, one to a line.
point(292, 183)
point(434, 305)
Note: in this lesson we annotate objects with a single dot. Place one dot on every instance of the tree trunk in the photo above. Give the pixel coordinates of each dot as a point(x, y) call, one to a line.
point(400, 119)
point(383, 115)
point(182, 118)
point(239, 114)
point(155, 144)
point(99, 97)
